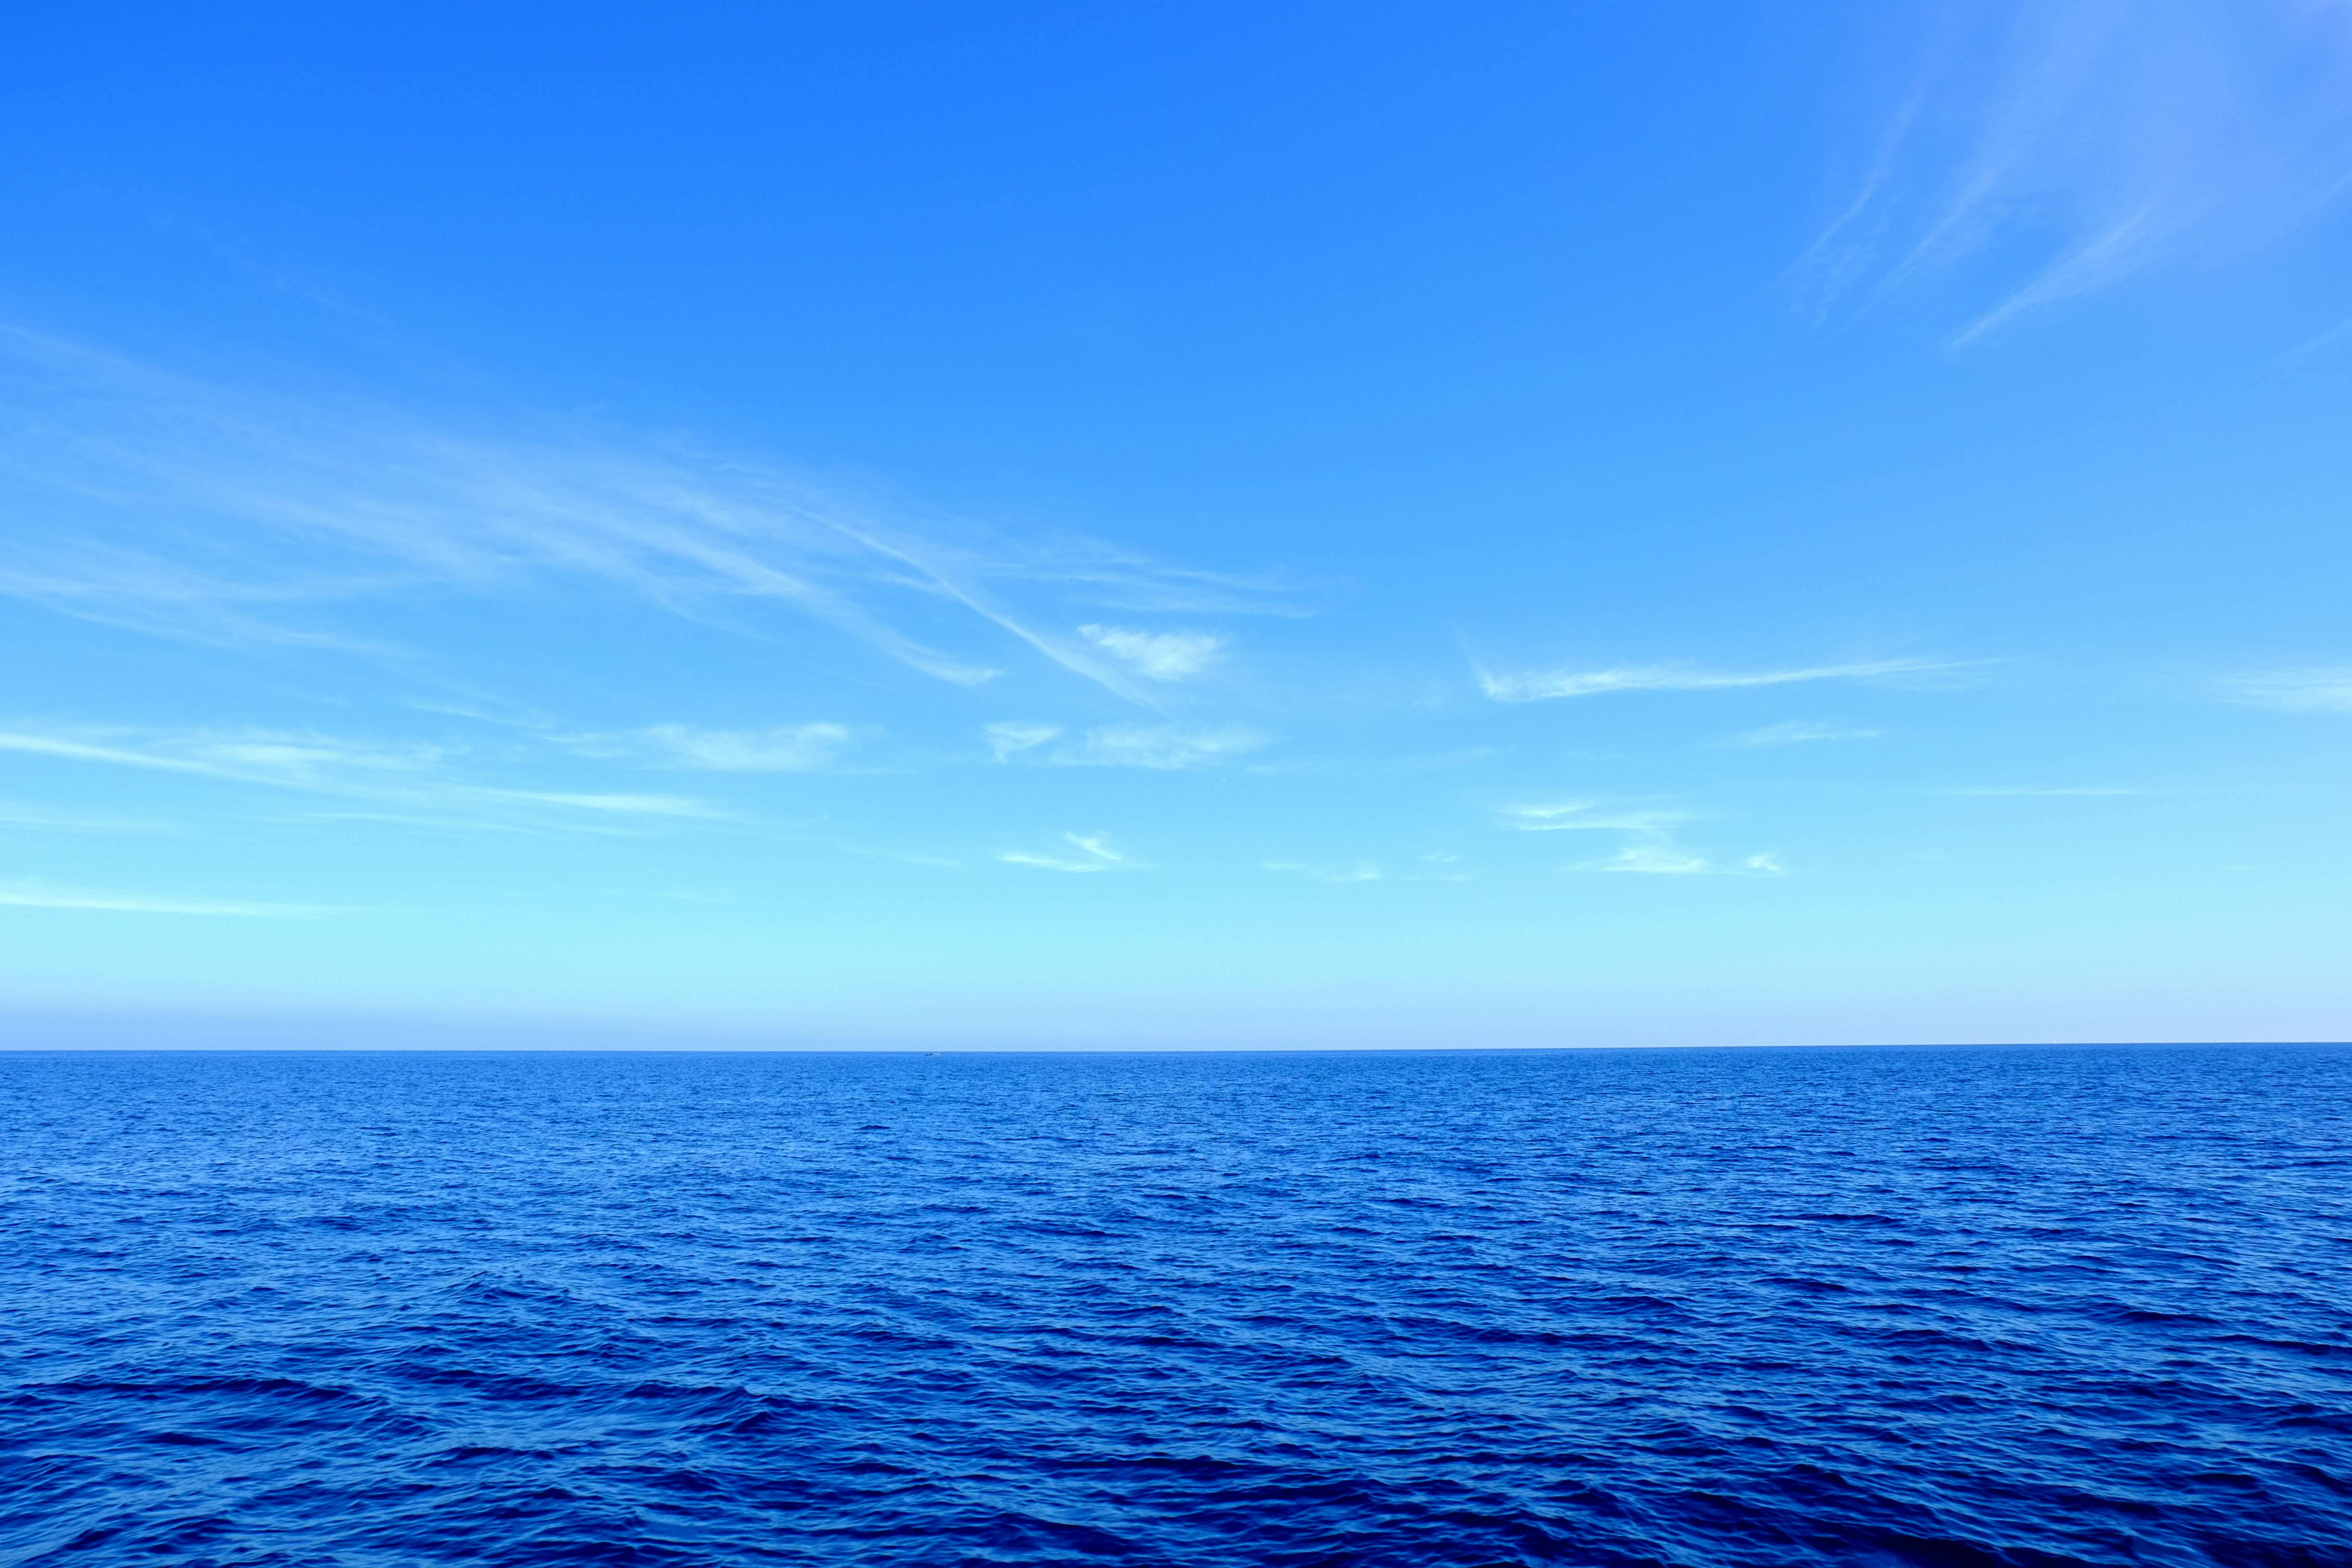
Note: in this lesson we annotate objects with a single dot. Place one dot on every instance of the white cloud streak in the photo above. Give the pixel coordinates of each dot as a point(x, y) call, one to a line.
point(1585, 815)
point(1665, 860)
point(1797, 731)
point(1094, 853)
point(410, 779)
point(42, 818)
point(2049, 150)
point(1161, 747)
point(294, 762)
point(1651, 860)
point(1343, 875)
point(788, 749)
point(2323, 691)
point(1008, 740)
point(1158, 656)
point(1536, 686)
point(1363, 767)
point(38, 896)
point(2055, 793)
point(297, 511)
point(1649, 847)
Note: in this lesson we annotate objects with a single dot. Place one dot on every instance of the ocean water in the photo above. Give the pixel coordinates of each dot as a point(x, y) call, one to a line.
point(1704, 1308)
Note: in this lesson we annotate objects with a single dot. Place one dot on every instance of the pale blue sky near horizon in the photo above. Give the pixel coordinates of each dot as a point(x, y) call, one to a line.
point(1115, 526)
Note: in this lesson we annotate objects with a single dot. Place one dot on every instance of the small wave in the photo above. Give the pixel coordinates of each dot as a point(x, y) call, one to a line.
point(1377, 1312)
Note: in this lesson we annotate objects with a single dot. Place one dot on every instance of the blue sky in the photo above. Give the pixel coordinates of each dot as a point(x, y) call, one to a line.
point(1270, 525)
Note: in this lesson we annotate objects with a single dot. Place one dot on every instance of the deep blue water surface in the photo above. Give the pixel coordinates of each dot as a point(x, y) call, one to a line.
point(1715, 1308)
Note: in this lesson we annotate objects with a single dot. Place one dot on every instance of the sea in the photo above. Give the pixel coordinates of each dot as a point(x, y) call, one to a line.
point(1713, 1308)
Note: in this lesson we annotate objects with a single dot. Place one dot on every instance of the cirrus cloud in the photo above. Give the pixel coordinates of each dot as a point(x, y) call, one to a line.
point(1536, 686)
point(2049, 150)
point(1094, 853)
point(1162, 747)
point(1157, 655)
point(1797, 731)
point(2317, 690)
point(41, 896)
point(788, 748)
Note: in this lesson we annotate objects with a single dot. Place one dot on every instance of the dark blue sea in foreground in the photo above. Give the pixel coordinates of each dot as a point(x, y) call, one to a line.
point(1702, 1308)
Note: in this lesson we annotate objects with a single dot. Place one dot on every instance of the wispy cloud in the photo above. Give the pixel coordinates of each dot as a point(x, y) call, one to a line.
point(294, 762)
point(1010, 740)
point(120, 587)
point(299, 510)
point(2319, 344)
point(1094, 853)
point(1652, 861)
point(1797, 731)
point(1535, 686)
point(1363, 767)
point(39, 896)
point(623, 804)
point(1341, 874)
point(789, 748)
point(1159, 746)
point(2029, 792)
point(410, 779)
point(1649, 847)
point(1158, 656)
point(1665, 860)
point(20, 814)
point(2047, 150)
point(1586, 815)
point(2322, 690)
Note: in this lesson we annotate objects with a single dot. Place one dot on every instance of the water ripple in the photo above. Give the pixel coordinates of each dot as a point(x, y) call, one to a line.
point(1718, 1309)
